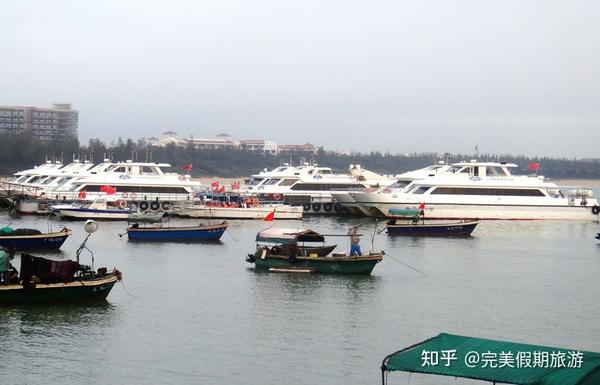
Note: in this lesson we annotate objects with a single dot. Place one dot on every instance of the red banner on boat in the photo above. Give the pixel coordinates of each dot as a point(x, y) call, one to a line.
point(533, 166)
point(82, 194)
point(270, 216)
point(109, 190)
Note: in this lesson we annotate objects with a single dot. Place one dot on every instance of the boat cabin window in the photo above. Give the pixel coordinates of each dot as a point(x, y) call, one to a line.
point(495, 171)
point(323, 186)
point(49, 180)
point(476, 171)
point(421, 190)
point(20, 179)
point(287, 182)
point(488, 191)
point(254, 181)
point(119, 169)
point(280, 169)
point(324, 172)
point(34, 179)
point(400, 184)
point(454, 169)
point(146, 170)
point(270, 182)
point(62, 181)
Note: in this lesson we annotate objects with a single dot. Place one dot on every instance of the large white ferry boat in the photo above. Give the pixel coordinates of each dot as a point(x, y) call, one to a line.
point(145, 184)
point(482, 190)
point(346, 198)
point(310, 186)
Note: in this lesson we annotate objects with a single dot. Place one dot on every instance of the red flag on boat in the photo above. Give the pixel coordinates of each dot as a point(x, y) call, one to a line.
point(82, 194)
point(109, 190)
point(533, 166)
point(220, 189)
point(187, 167)
point(422, 206)
point(270, 216)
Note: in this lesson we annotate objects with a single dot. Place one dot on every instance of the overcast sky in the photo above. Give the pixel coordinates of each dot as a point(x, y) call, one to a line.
point(518, 77)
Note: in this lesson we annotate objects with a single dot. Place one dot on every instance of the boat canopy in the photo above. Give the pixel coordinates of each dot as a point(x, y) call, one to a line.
point(152, 217)
point(496, 361)
point(403, 212)
point(288, 236)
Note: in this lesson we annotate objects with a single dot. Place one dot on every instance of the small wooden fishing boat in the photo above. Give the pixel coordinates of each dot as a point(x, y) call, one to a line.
point(430, 229)
point(288, 256)
point(186, 233)
point(99, 209)
point(42, 280)
point(254, 210)
point(30, 239)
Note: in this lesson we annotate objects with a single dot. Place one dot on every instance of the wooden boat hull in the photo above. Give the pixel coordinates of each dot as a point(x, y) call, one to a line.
point(48, 241)
point(326, 265)
point(201, 233)
point(455, 229)
point(84, 214)
point(84, 290)
point(255, 213)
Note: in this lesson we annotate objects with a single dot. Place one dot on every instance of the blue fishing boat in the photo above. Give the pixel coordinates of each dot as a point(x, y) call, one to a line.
point(431, 229)
point(184, 233)
point(30, 239)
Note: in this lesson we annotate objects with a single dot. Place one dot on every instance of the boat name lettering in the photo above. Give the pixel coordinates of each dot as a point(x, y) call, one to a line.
point(519, 360)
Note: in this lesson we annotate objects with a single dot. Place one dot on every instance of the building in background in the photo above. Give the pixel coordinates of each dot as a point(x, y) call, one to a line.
point(225, 141)
point(48, 124)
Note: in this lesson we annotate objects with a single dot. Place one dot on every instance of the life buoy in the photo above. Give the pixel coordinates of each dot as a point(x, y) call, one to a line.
point(327, 206)
point(124, 195)
point(133, 195)
point(337, 208)
point(144, 205)
point(181, 177)
point(596, 209)
point(122, 204)
point(316, 207)
point(154, 205)
point(133, 206)
point(277, 196)
point(167, 205)
point(306, 206)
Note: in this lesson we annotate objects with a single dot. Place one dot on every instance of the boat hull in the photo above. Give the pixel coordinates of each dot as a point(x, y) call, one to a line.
point(49, 241)
point(93, 214)
point(460, 229)
point(204, 233)
point(491, 211)
point(84, 290)
point(326, 265)
point(289, 212)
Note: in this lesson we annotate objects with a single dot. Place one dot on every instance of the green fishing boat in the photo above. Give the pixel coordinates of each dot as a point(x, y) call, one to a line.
point(499, 362)
point(285, 250)
point(43, 280)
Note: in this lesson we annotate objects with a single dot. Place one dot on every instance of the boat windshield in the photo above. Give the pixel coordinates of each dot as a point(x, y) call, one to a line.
point(400, 183)
point(254, 181)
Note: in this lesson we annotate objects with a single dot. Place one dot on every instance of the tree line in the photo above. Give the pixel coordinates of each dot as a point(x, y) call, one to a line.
point(19, 153)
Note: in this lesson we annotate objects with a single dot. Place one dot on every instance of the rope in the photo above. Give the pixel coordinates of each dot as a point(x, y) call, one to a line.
point(126, 291)
point(232, 237)
point(406, 264)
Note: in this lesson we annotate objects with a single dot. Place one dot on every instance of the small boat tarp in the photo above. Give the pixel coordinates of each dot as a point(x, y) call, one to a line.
point(496, 361)
point(47, 270)
point(288, 236)
point(403, 213)
point(152, 217)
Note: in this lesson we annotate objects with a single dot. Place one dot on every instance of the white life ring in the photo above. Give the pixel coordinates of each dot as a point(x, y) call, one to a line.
point(122, 204)
point(124, 195)
point(277, 196)
point(133, 195)
point(181, 177)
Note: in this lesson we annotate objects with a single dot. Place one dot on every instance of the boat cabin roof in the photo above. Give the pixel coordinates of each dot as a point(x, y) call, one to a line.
point(288, 236)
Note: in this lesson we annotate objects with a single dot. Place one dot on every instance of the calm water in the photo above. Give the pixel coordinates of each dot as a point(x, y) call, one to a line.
point(191, 314)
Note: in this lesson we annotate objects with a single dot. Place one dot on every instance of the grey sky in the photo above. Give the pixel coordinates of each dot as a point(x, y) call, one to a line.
point(519, 77)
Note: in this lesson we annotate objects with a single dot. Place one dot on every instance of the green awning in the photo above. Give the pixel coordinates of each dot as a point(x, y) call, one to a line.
point(497, 361)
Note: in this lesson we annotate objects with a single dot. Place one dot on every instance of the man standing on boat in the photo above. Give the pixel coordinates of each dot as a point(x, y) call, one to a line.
point(354, 241)
point(6, 269)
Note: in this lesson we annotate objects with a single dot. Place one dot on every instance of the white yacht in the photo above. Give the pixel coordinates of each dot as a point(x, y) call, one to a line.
point(483, 190)
point(346, 199)
point(310, 185)
point(146, 184)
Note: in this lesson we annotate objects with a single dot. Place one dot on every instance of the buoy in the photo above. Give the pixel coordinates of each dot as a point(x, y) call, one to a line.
point(316, 207)
point(154, 205)
point(144, 206)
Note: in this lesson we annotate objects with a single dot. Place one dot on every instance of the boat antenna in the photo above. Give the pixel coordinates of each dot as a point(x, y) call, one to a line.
point(90, 227)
